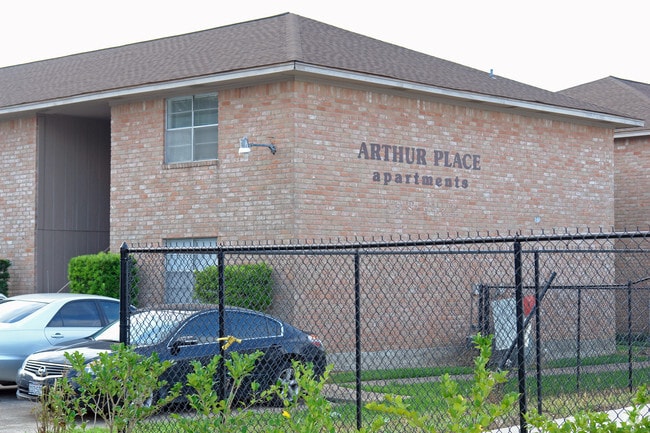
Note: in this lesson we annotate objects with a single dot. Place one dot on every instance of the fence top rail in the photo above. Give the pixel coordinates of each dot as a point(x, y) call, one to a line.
point(402, 242)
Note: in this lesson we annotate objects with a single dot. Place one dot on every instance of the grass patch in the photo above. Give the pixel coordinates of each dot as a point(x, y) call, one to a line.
point(562, 395)
point(639, 354)
point(561, 398)
point(399, 373)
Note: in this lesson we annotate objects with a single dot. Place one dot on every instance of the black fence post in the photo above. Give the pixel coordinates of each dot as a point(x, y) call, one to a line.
point(484, 309)
point(124, 293)
point(521, 359)
point(629, 335)
point(578, 340)
point(222, 322)
point(538, 335)
point(357, 323)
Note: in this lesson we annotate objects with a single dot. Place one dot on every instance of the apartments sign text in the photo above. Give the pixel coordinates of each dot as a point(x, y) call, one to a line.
point(418, 156)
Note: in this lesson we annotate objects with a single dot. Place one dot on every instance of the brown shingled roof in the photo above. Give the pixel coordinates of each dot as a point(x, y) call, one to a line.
point(629, 97)
point(265, 42)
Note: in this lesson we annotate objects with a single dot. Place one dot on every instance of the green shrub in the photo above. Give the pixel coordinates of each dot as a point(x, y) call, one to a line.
point(4, 276)
point(213, 413)
point(247, 286)
point(469, 413)
point(122, 387)
point(57, 412)
point(99, 274)
point(307, 411)
point(598, 422)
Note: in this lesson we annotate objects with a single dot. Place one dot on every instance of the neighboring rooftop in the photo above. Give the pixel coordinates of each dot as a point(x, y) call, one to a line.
point(624, 96)
point(278, 44)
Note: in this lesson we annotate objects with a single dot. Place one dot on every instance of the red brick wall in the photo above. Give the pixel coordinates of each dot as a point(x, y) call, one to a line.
point(320, 185)
point(18, 164)
point(529, 167)
point(632, 183)
point(235, 198)
point(632, 211)
point(321, 182)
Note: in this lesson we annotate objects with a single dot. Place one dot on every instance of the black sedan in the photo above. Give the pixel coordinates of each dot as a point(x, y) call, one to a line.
point(185, 335)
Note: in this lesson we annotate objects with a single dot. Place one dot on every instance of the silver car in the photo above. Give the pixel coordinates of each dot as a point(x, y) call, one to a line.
point(29, 323)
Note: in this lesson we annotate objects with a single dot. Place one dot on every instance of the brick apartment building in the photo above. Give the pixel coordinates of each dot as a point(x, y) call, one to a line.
point(141, 143)
point(631, 178)
point(631, 146)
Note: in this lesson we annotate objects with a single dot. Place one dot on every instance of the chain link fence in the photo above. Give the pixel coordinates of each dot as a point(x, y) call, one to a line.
point(569, 312)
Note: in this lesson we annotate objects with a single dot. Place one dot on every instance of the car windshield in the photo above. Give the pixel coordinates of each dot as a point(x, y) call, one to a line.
point(12, 311)
point(147, 327)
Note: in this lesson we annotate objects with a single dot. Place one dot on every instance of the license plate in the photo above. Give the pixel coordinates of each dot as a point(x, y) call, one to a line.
point(35, 388)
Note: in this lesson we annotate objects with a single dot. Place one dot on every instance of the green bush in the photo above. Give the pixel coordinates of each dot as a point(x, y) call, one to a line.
point(4, 276)
point(247, 286)
point(213, 413)
point(471, 412)
point(122, 387)
point(598, 422)
point(307, 411)
point(56, 412)
point(99, 274)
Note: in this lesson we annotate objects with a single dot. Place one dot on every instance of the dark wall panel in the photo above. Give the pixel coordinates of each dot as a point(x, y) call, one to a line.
point(73, 194)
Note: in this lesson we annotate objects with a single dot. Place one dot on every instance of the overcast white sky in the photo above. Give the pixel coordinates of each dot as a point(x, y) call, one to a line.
point(552, 44)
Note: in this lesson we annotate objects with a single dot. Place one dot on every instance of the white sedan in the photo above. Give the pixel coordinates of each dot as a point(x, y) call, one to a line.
point(29, 323)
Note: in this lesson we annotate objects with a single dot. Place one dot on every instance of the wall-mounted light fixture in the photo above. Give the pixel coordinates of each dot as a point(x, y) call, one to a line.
point(245, 146)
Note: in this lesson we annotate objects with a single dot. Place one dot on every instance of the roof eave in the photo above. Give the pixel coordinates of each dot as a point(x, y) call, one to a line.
point(632, 134)
point(614, 121)
point(147, 89)
point(497, 101)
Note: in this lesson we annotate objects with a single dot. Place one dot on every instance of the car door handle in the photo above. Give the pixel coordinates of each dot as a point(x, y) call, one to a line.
point(229, 340)
point(57, 335)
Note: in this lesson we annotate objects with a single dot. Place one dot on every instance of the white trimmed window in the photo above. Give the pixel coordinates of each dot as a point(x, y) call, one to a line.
point(180, 268)
point(191, 128)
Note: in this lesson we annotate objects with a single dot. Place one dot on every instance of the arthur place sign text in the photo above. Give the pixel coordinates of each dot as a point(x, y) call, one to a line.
point(417, 156)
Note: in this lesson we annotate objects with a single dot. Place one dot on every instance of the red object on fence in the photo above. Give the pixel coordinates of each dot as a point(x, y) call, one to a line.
point(529, 304)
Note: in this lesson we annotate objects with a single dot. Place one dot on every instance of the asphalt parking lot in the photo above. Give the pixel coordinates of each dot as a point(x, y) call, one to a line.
point(16, 416)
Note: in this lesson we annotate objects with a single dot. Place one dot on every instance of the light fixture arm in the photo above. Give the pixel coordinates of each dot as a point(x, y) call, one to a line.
point(245, 146)
point(270, 146)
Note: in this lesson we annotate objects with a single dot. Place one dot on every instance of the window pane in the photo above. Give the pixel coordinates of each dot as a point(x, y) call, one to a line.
point(205, 135)
point(192, 128)
point(111, 310)
point(247, 325)
point(204, 327)
point(178, 154)
point(205, 117)
point(179, 278)
point(178, 262)
point(77, 314)
point(180, 105)
point(181, 137)
point(12, 311)
point(205, 143)
point(205, 152)
point(179, 287)
point(178, 145)
point(179, 275)
point(180, 120)
point(179, 113)
point(202, 102)
point(201, 261)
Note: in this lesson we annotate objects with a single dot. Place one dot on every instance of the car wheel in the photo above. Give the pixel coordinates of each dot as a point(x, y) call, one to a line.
point(286, 379)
